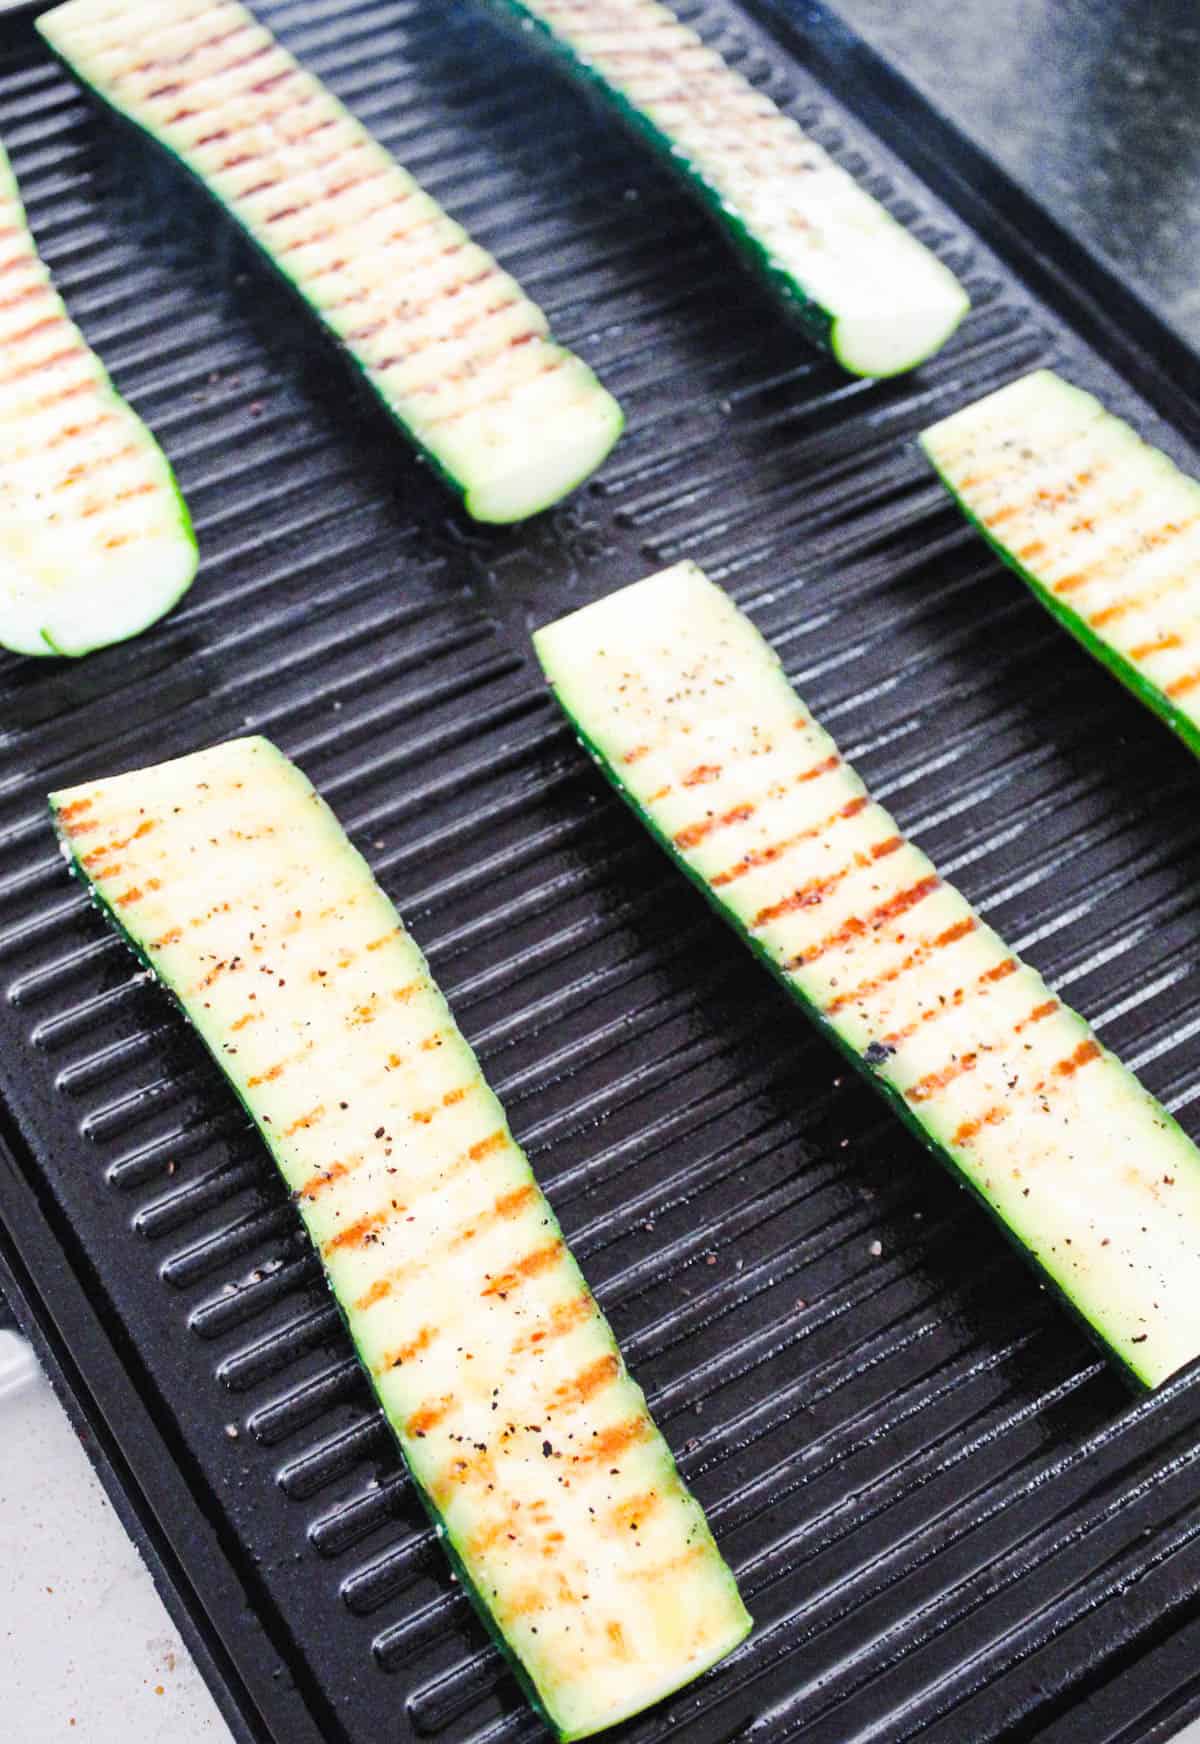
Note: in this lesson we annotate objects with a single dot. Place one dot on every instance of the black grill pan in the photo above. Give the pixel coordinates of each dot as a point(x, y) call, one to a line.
point(950, 1519)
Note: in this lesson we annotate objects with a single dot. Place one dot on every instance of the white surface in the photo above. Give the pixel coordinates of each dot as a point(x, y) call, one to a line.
point(87, 1651)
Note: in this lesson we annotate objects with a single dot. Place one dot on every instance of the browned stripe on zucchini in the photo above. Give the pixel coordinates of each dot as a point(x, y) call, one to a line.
point(757, 857)
point(880, 916)
point(540, 1260)
point(921, 953)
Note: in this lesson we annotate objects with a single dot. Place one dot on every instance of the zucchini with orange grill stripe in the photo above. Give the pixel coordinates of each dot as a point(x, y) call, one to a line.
point(1104, 528)
point(95, 540)
point(689, 713)
point(461, 359)
point(861, 284)
point(554, 1492)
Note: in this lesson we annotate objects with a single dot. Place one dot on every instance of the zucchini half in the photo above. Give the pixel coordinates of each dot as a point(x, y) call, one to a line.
point(863, 286)
point(689, 713)
point(96, 542)
point(459, 356)
point(1103, 528)
point(555, 1495)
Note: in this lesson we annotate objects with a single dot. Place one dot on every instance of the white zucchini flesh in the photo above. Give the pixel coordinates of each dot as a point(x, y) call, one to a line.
point(557, 1496)
point(1103, 527)
point(95, 540)
point(877, 296)
point(458, 354)
point(689, 712)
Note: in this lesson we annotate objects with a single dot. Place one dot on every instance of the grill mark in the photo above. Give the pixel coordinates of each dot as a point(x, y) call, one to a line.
point(396, 1359)
point(628, 1516)
point(57, 319)
point(72, 431)
point(1181, 686)
point(317, 1183)
point(146, 489)
point(531, 1266)
point(171, 938)
point(360, 1233)
point(809, 895)
point(467, 371)
point(429, 1416)
point(970, 1129)
point(766, 856)
point(423, 1116)
point(564, 1317)
point(304, 1121)
point(194, 85)
point(76, 809)
point(610, 1443)
point(385, 938)
point(1148, 542)
point(691, 837)
point(179, 60)
point(929, 1086)
point(267, 1077)
point(1001, 970)
point(83, 471)
point(857, 925)
point(506, 1207)
point(701, 774)
point(136, 894)
point(589, 1381)
point(1161, 645)
point(557, 362)
point(1084, 1053)
point(75, 349)
point(924, 950)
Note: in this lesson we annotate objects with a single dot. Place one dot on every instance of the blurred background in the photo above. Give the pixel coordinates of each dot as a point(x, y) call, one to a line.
point(1093, 105)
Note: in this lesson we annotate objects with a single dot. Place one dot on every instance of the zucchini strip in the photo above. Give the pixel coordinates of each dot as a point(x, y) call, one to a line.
point(690, 715)
point(862, 285)
point(459, 356)
point(556, 1497)
point(96, 542)
point(1103, 528)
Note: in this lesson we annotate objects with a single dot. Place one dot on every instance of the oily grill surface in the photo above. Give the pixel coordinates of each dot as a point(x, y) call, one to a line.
point(949, 1517)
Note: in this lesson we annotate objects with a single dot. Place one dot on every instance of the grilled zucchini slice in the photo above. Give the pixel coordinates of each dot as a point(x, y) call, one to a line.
point(459, 356)
point(862, 285)
point(689, 713)
point(555, 1494)
point(1103, 528)
point(96, 542)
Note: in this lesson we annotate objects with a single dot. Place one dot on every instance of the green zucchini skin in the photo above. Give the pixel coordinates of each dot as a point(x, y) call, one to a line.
point(1024, 432)
point(664, 636)
point(865, 333)
point(96, 543)
point(225, 868)
point(460, 359)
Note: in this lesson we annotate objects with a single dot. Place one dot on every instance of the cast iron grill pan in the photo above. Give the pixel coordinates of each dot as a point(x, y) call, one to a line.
point(950, 1519)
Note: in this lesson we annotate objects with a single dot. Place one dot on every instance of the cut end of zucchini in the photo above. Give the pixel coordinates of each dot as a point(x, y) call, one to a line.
point(460, 357)
point(530, 1442)
point(893, 340)
point(95, 540)
point(538, 465)
point(1104, 528)
point(691, 716)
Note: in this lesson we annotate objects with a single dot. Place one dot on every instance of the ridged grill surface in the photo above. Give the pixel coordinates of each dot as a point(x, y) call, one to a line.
point(950, 1520)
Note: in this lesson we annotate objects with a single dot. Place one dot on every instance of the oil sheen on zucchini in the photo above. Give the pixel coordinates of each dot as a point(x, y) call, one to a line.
point(95, 540)
point(457, 353)
point(554, 1493)
point(862, 284)
point(1104, 528)
point(690, 714)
